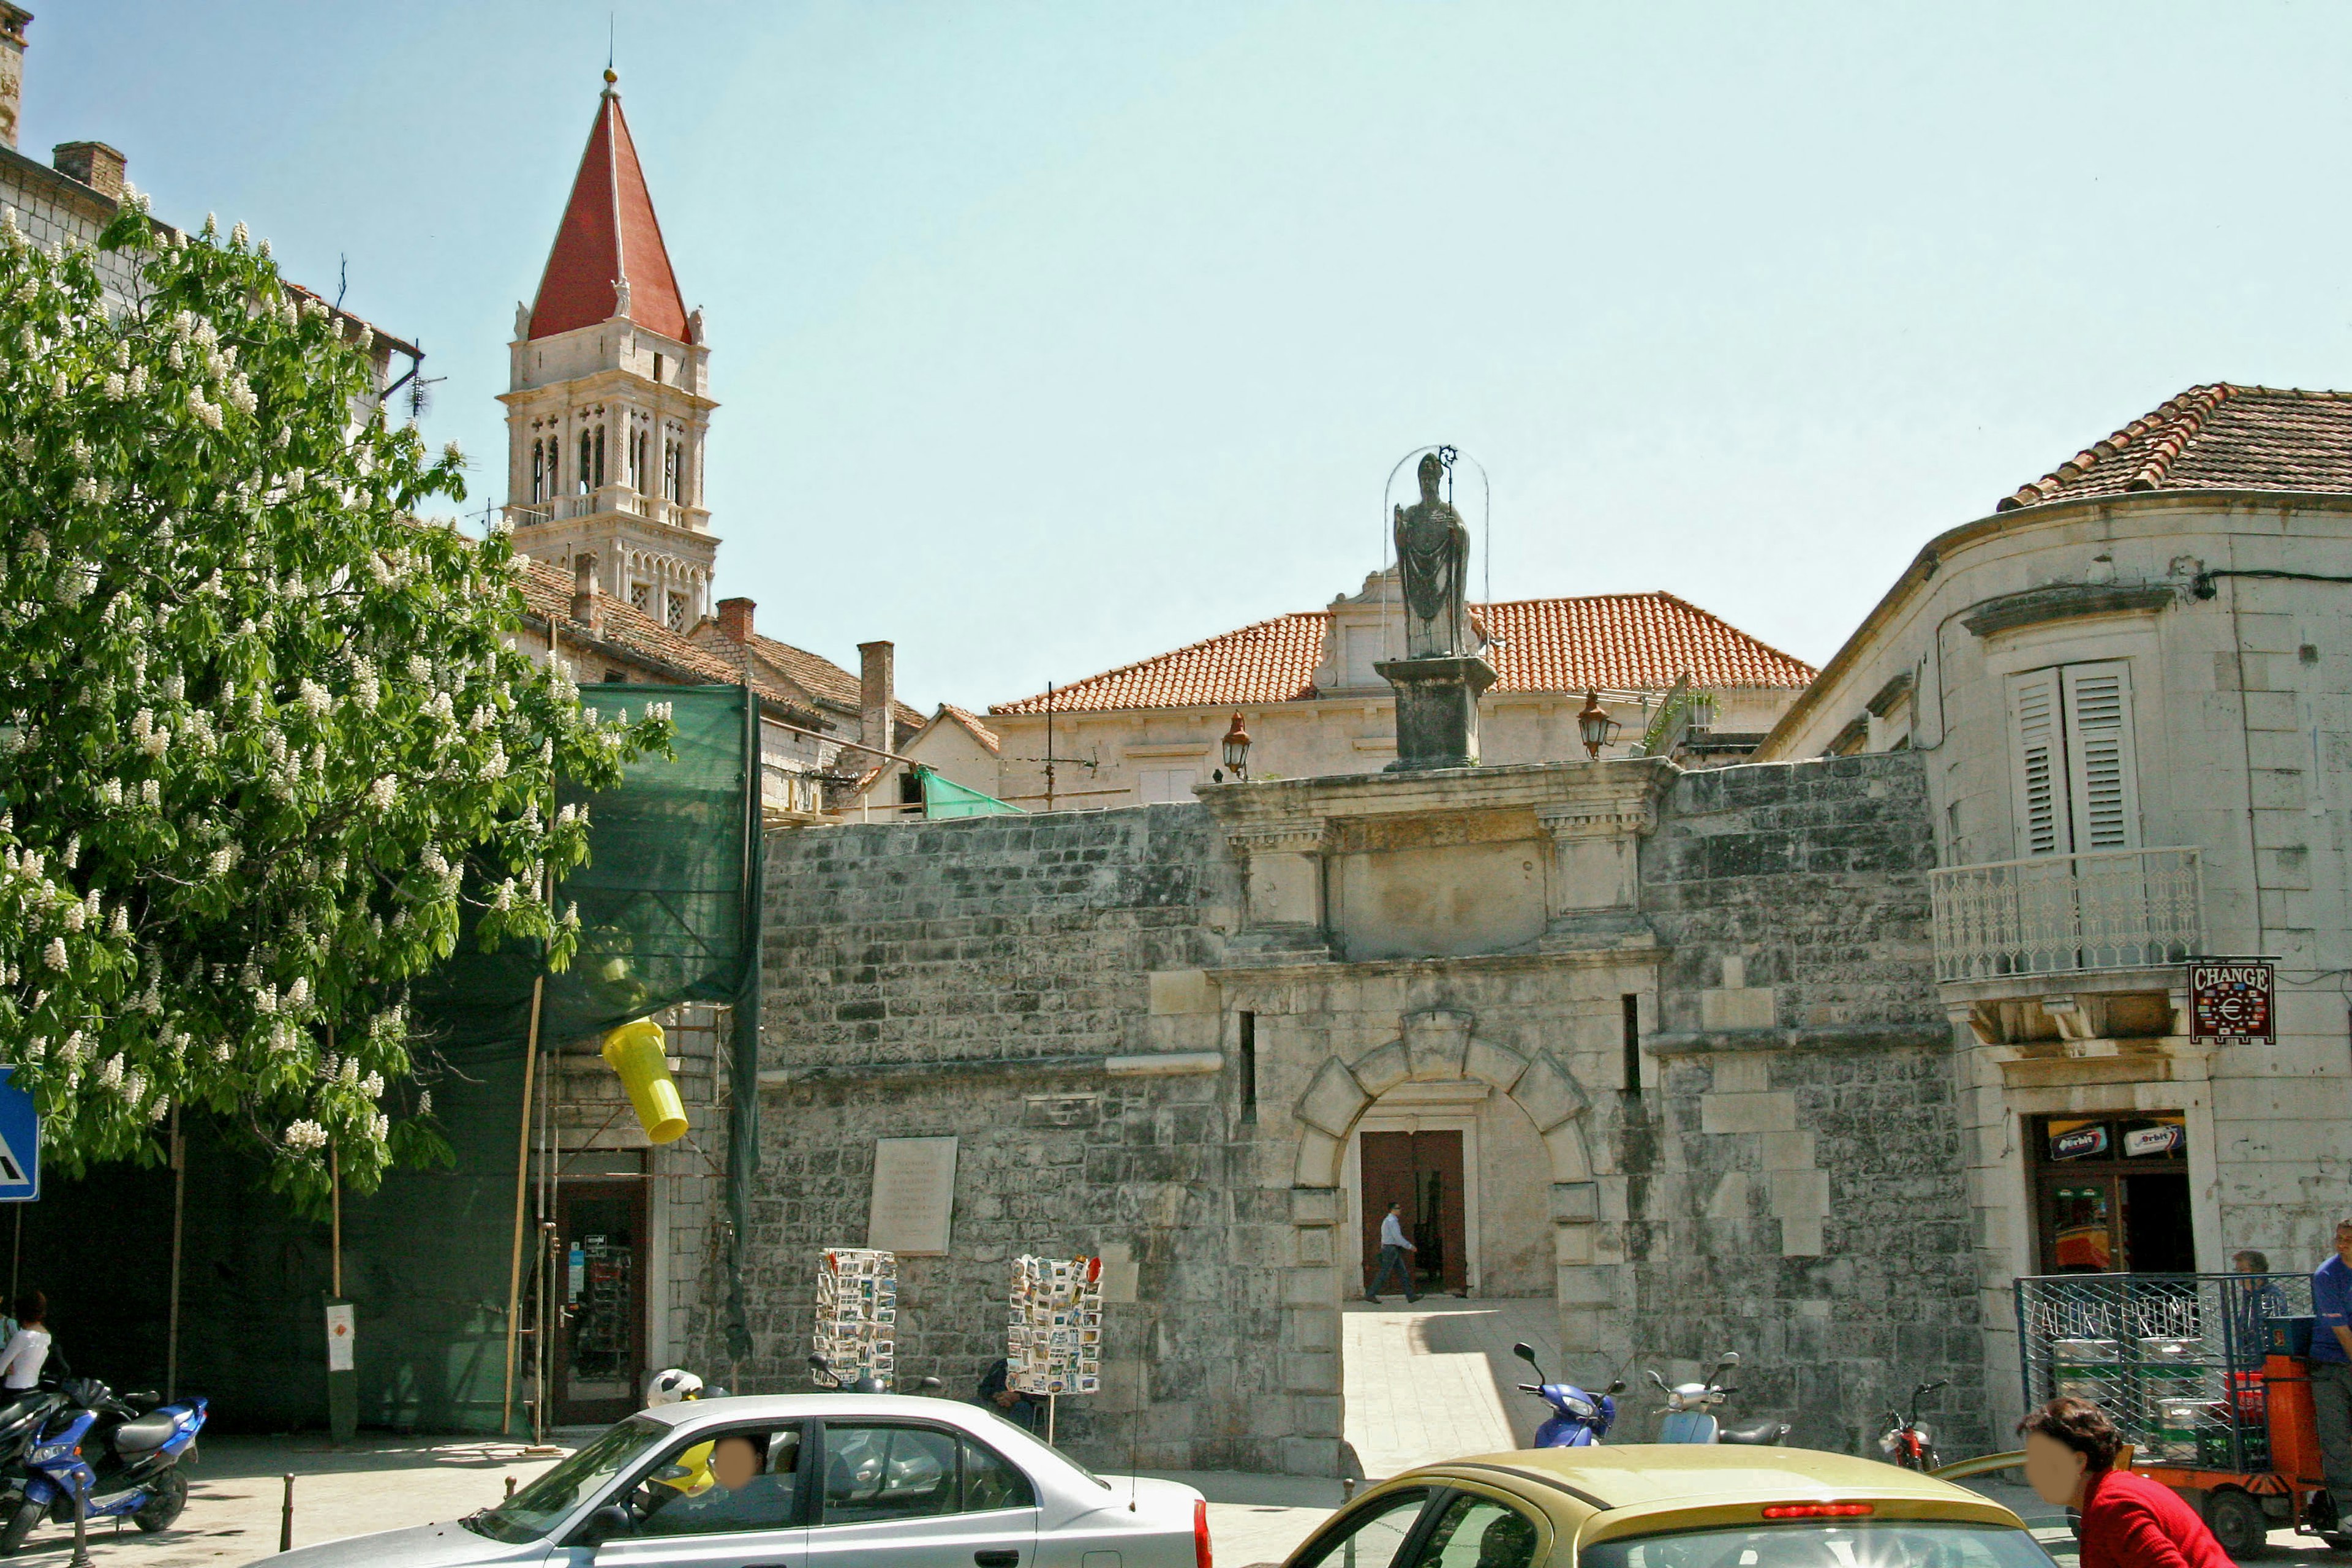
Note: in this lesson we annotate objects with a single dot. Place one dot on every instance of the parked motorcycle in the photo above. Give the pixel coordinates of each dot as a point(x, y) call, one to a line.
point(1578, 1419)
point(1690, 1411)
point(1905, 1442)
point(98, 1456)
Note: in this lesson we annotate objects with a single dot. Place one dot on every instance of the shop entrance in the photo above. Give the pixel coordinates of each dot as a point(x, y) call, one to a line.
point(1422, 1171)
point(2111, 1194)
point(599, 1276)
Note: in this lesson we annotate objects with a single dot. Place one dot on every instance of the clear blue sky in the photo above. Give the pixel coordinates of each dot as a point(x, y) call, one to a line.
point(1050, 337)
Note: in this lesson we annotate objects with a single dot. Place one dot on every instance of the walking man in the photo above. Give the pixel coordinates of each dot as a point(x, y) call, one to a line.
point(2331, 1367)
point(1393, 1247)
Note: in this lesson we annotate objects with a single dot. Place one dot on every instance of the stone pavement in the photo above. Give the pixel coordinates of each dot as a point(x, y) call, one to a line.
point(1436, 1380)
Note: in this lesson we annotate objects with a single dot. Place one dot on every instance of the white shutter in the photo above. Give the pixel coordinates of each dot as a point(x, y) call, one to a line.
point(2038, 764)
point(2104, 775)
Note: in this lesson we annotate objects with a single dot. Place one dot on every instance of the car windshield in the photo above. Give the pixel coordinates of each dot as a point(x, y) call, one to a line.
point(1886, 1543)
point(538, 1507)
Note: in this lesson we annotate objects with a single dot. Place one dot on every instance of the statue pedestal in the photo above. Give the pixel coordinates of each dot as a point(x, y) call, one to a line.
point(1436, 710)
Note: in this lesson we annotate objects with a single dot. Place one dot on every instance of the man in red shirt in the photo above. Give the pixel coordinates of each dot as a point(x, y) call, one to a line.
point(2128, 1521)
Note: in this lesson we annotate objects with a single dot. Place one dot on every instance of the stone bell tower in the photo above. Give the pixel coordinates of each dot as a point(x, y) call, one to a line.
point(608, 409)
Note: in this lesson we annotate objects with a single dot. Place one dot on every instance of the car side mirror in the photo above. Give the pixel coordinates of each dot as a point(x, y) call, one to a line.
point(1731, 1358)
point(1525, 1351)
point(607, 1522)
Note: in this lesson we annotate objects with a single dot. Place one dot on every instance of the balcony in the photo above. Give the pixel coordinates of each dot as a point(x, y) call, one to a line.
point(2066, 914)
point(609, 498)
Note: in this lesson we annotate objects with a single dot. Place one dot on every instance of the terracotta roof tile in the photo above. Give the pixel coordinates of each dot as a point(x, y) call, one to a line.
point(608, 232)
point(824, 679)
point(629, 632)
point(1618, 641)
point(971, 721)
point(2218, 436)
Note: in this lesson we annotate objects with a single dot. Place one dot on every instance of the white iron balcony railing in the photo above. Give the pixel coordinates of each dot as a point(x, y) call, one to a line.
point(2055, 914)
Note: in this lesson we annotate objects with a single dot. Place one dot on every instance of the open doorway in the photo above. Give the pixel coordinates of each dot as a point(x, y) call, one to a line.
point(1422, 1172)
point(2111, 1194)
point(600, 1274)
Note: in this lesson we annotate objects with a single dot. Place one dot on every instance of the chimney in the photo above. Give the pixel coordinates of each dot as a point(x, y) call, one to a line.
point(94, 164)
point(587, 598)
point(735, 619)
point(877, 670)
point(12, 68)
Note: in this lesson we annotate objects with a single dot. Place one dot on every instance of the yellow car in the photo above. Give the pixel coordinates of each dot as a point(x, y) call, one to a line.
point(1669, 1506)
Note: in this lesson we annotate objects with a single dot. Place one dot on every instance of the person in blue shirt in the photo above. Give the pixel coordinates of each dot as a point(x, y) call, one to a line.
point(2331, 1367)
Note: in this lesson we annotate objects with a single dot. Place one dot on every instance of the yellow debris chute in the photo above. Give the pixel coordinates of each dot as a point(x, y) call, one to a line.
point(637, 1052)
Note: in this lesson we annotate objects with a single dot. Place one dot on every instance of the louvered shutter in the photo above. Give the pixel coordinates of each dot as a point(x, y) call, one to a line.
point(2103, 772)
point(2038, 753)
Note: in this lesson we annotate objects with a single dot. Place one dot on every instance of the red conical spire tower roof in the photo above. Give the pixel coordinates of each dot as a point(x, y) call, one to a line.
point(608, 232)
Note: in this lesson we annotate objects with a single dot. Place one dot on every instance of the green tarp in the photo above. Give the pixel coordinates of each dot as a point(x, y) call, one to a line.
point(945, 798)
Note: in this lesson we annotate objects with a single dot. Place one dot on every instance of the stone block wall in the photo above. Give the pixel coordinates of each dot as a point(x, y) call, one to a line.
point(1794, 1186)
point(974, 978)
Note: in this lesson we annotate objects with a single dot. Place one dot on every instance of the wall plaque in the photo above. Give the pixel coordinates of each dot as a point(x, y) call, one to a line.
point(914, 1196)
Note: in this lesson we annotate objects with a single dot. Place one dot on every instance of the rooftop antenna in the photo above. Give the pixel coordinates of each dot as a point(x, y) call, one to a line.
point(612, 31)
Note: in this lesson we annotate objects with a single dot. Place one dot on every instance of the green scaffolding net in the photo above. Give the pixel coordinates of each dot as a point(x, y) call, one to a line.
point(669, 912)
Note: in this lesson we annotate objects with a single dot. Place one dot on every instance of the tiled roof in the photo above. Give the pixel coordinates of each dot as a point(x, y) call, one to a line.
point(608, 232)
point(971, 721)
point(1618, 641)
point(825, 681)
point(629, 633)
point(2222, 436)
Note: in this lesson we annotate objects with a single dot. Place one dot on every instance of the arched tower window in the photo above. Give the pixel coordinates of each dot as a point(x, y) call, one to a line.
point(538, 471)
point(587, 455)
point(600, 457)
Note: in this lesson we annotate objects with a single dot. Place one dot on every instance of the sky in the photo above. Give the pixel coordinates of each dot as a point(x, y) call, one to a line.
point(1049, 337)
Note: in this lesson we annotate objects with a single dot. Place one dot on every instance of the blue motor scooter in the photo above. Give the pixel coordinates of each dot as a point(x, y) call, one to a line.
point(1578, 1419)
point(101, 1457)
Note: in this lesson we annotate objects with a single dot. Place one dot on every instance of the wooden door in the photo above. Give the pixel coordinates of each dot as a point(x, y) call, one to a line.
point(600, 1285)
point(1422, 1172)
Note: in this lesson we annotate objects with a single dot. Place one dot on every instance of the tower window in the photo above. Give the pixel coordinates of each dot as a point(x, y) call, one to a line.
point(658, 367)
point(538, 471)
point(1632, 1004)
point(600, 455)
point(677, 612)
point(586, 455)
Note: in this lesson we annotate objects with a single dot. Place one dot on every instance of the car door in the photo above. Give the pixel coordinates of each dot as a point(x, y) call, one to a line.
point(729, 1499)
point(1374, 1532)
point(908, 1494)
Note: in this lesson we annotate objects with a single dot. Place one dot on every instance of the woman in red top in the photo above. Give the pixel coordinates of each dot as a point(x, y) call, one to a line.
point(2128, 1521)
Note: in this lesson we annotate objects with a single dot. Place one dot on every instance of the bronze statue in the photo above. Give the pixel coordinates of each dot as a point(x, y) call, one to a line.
point(1433, 559)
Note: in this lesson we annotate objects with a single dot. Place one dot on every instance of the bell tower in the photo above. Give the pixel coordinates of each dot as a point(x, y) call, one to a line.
point(608, 406)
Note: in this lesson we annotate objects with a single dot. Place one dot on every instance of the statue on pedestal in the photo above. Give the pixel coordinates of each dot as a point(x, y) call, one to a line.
point(1434, 560)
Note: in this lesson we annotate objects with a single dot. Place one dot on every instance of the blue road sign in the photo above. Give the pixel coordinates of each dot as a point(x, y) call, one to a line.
point(20, 1143)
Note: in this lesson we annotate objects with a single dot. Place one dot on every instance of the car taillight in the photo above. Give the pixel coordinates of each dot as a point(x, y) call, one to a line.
point(1200, 1534)
point(1818, 1510)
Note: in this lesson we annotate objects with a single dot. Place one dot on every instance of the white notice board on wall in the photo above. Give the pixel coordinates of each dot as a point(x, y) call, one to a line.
point(914, 1196)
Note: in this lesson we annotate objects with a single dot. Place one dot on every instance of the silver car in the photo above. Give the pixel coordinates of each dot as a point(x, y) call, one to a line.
point(809, 1480)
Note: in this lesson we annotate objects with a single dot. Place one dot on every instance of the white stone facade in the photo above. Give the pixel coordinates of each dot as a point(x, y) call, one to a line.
point(2142, 682)
point(605, 431)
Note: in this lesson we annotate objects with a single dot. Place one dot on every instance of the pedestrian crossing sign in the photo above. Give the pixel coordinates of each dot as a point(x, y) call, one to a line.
point(20, 1143)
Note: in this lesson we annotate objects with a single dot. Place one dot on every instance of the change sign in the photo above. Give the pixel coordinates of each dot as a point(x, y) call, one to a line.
point(2231, 1002)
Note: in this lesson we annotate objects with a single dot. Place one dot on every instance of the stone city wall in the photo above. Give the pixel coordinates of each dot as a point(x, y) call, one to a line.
point(1786, 1181)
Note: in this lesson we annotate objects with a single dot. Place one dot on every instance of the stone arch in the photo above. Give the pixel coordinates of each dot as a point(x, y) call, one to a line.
point(1439, 1044)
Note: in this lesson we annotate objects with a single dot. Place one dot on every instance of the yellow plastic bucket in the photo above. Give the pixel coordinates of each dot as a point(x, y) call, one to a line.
point(635, 1051)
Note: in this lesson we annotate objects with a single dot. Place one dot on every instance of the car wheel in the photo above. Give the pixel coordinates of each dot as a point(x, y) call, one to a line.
point(160, 1510)
point(20, 1525)
point(2236, 1520)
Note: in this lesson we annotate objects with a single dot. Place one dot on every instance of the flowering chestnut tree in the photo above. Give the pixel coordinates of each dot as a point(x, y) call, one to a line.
point(262, 736)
